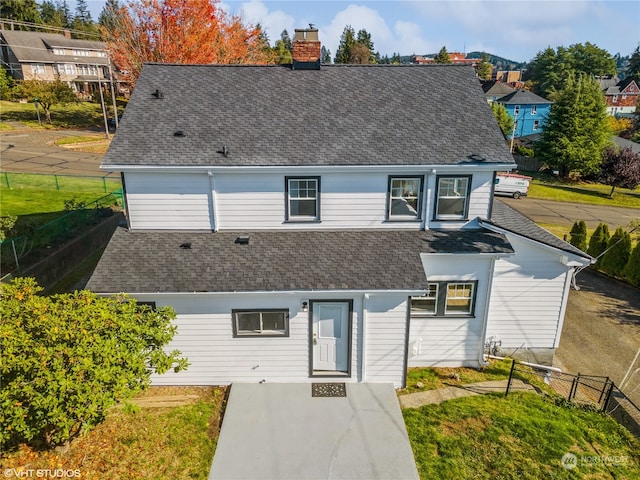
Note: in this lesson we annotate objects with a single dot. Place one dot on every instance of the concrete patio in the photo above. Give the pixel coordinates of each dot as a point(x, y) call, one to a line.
point(280, 431)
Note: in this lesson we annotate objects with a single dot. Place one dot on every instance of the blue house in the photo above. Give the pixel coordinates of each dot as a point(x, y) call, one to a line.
point(529, 111)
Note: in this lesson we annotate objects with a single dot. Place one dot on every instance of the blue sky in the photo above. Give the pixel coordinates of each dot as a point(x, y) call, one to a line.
point(515, 29)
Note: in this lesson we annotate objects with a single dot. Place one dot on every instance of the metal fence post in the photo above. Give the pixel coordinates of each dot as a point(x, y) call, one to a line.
point(604, 387)
point(57, 183)
point(15, 254)
point(574, 387)
point(6, 177)
point(608, 397)
point(513, 366)
point(104, 184)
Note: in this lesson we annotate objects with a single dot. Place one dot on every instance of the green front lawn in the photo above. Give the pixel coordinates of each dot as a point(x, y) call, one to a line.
point(521, 436)
point(71, 115)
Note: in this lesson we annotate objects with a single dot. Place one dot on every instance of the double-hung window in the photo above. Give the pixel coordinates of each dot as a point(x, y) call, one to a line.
point(445, 299)
point(405, 198)
point(536, 124)
point(260, 323)
point(452, 202)
point(38, 68)
point(516, 110)
point(302, 199)
point(534, 109)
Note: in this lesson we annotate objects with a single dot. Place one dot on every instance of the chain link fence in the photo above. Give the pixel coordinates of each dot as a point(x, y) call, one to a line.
point(47, 181)
point(20, 252)
point(598, 392)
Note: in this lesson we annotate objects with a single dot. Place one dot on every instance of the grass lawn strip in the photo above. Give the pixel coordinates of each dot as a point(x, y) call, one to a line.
point(141, 443)
point(519, 436)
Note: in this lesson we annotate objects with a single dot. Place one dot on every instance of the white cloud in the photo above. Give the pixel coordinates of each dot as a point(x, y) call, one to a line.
point(273, 23)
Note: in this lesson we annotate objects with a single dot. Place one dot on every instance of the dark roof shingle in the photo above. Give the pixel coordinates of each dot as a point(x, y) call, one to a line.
point(507, 218)
point(339, 115)
point(279, 260)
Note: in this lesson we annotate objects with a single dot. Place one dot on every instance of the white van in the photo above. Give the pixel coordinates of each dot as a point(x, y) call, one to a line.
point(511, 184)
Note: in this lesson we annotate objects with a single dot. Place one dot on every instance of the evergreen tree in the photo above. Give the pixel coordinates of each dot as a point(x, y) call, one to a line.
point(484, 68)
point(633, 68)
point(283, 49)
point(598, 241)
point(632, 270)
point(20, 11)
point(325, 55)
point(364, 38)
point(109, 15)
point(616, 259)
point(82, 21)
point(505, 121)
point(579, 235)
point(577, 130)
point(396, 59)
point(347, 41)
point(53, 15)
point(442, 56)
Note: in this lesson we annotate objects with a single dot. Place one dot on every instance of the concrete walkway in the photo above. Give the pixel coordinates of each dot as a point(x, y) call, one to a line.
point(418, 399)
point(279, 431)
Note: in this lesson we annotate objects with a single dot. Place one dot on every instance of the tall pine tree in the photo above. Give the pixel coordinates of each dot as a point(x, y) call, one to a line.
point(577, 131)
point(442, 56)
point(347, 41)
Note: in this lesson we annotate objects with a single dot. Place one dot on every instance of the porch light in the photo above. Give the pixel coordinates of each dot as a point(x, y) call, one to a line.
point(305, 306)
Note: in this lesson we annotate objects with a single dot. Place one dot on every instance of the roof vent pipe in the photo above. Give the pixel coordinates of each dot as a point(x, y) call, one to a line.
point(242, 240)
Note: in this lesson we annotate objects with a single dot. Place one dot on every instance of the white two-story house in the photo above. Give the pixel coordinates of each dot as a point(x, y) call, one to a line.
point(331, 222)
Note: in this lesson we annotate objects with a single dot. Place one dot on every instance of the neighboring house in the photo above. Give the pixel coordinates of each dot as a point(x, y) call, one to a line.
point(494, 90)
point(624, 143)
point(509, 76)
point(327, 222)
point(529, 111)
point(622, 98)
point(82, 64)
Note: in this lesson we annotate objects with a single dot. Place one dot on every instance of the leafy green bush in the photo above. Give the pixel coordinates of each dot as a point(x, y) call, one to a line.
point(579, 235)
point(524, 151)
point(615, 260)
point(67, 358)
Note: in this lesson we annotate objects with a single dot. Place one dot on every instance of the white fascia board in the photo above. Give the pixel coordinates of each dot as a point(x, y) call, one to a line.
point(566, 258)
point(467, 254)
point(314, 169)
point(335, 293)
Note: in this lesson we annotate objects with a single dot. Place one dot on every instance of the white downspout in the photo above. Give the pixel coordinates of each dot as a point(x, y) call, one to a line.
point(363, 335)
point(213, 210)
point(487, 300)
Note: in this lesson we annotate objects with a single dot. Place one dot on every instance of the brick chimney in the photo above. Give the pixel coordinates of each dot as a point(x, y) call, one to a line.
point(306, 49)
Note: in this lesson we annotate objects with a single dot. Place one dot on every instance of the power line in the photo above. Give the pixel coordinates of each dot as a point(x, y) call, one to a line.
point(48, 27)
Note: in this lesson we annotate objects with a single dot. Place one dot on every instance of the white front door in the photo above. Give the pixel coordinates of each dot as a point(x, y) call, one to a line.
point(330, 331)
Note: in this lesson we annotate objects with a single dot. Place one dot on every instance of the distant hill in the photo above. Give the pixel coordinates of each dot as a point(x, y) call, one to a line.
point(500, 63)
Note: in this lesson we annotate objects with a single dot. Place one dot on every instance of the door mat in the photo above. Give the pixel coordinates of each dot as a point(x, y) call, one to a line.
point(328, 390)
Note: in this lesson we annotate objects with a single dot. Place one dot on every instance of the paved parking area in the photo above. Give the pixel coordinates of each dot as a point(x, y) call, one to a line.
point(280, 431)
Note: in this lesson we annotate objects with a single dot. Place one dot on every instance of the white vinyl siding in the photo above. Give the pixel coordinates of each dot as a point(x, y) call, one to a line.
point(158, 201)
point(451, 341)
point(386, 325)
point(527, 295)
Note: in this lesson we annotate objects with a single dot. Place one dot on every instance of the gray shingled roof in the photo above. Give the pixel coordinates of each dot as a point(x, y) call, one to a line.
point(153, 261)
point(275, 116)
point(497, 89)
point(509, 219)
point(32, 47)
point(523, 97)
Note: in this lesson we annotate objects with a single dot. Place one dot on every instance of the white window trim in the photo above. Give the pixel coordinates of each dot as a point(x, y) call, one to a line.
point(427, 296)
point(470, 298)
point(536, 125)
point(534, 109)
point(516, 110)
point(302, 218)
point(237, 333)
point(417, 197)
point(466, 195)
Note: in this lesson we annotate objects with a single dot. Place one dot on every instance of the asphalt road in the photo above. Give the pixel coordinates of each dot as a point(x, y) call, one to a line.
point(564, 213)
point(34, 151)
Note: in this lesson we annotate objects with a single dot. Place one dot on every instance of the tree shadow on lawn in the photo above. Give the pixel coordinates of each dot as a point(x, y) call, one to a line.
point(62, 116)
point(619, 300)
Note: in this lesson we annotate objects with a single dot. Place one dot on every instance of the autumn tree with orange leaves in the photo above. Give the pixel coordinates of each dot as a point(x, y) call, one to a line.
point(179, 31)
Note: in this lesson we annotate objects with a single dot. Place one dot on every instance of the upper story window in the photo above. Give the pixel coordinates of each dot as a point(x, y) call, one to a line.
point(303, 199)
point(38, 68)
point(81, 53)
point(615, 98)
point(59, 51)
point(405, 195)
point(87, 69)
point(260, 323)
point(426, 304)
point(452, 197)
point(66, 68)
point(536, 124)
point(534, 109)
point(516, 110)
